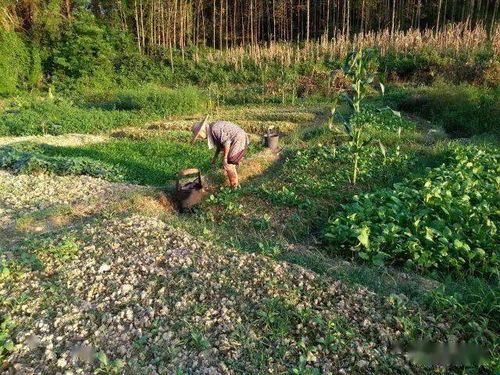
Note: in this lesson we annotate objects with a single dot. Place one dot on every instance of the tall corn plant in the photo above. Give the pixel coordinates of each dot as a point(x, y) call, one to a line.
point(360, 68)
point(357, 143)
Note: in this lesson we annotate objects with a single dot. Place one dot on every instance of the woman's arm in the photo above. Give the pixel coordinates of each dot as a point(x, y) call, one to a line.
point(227, 148)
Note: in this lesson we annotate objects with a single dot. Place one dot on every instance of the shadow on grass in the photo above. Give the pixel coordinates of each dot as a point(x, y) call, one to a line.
point(19, 257)
point(145, 163)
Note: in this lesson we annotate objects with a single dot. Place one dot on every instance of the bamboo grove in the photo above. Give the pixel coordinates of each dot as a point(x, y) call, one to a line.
point(228, 23)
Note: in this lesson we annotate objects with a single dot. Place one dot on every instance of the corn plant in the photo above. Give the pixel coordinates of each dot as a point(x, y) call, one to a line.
point(359, 68)
point(357, 143)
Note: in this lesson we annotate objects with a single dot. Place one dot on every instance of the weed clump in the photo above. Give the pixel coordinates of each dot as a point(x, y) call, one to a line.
point(40, 116)
point(463, 110)
point(161, 101)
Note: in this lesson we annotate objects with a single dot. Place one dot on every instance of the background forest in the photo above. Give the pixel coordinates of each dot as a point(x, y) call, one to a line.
point(104, 43)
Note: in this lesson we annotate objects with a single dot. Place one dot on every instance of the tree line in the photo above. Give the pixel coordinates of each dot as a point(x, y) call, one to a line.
point(226, 23)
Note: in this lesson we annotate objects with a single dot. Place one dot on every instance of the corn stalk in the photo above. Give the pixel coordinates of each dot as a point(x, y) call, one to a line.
point(360, 68)
point(357, 144)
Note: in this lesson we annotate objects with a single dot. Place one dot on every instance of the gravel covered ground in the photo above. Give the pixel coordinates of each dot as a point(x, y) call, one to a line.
point(28, 200)
point(132, 295)
point(160, 301)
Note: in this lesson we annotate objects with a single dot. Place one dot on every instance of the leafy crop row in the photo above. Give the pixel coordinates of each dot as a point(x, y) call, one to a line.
point(445, 220)
point(380, 119)
point(28, 158)
point(152, 161)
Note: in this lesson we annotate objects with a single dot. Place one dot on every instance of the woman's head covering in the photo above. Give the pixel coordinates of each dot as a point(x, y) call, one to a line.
point(198, 127)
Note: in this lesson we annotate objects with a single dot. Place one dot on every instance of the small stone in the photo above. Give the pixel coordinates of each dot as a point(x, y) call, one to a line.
point(104, 268)
point(61, 362)
point(311, 357)
point(127, 288)
point(130, 314)
point(362, 363)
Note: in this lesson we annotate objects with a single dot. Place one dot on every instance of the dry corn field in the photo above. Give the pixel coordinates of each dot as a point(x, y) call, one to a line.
point(455, 40)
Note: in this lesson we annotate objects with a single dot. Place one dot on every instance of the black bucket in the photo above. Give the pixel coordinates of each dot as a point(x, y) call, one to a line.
point(271, 139)
point(189, 193)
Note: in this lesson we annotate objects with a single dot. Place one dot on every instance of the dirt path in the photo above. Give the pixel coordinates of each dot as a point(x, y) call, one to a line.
point(57, 140)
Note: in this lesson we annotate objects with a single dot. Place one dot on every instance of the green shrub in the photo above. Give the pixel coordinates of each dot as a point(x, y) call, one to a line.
point(404, 65)
point(462, 110)
point(162, 101)
point(445, 220)
point(427, 65)
point(84, 48)
point(61, 117)
point(27, 158)
point(14, 62)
